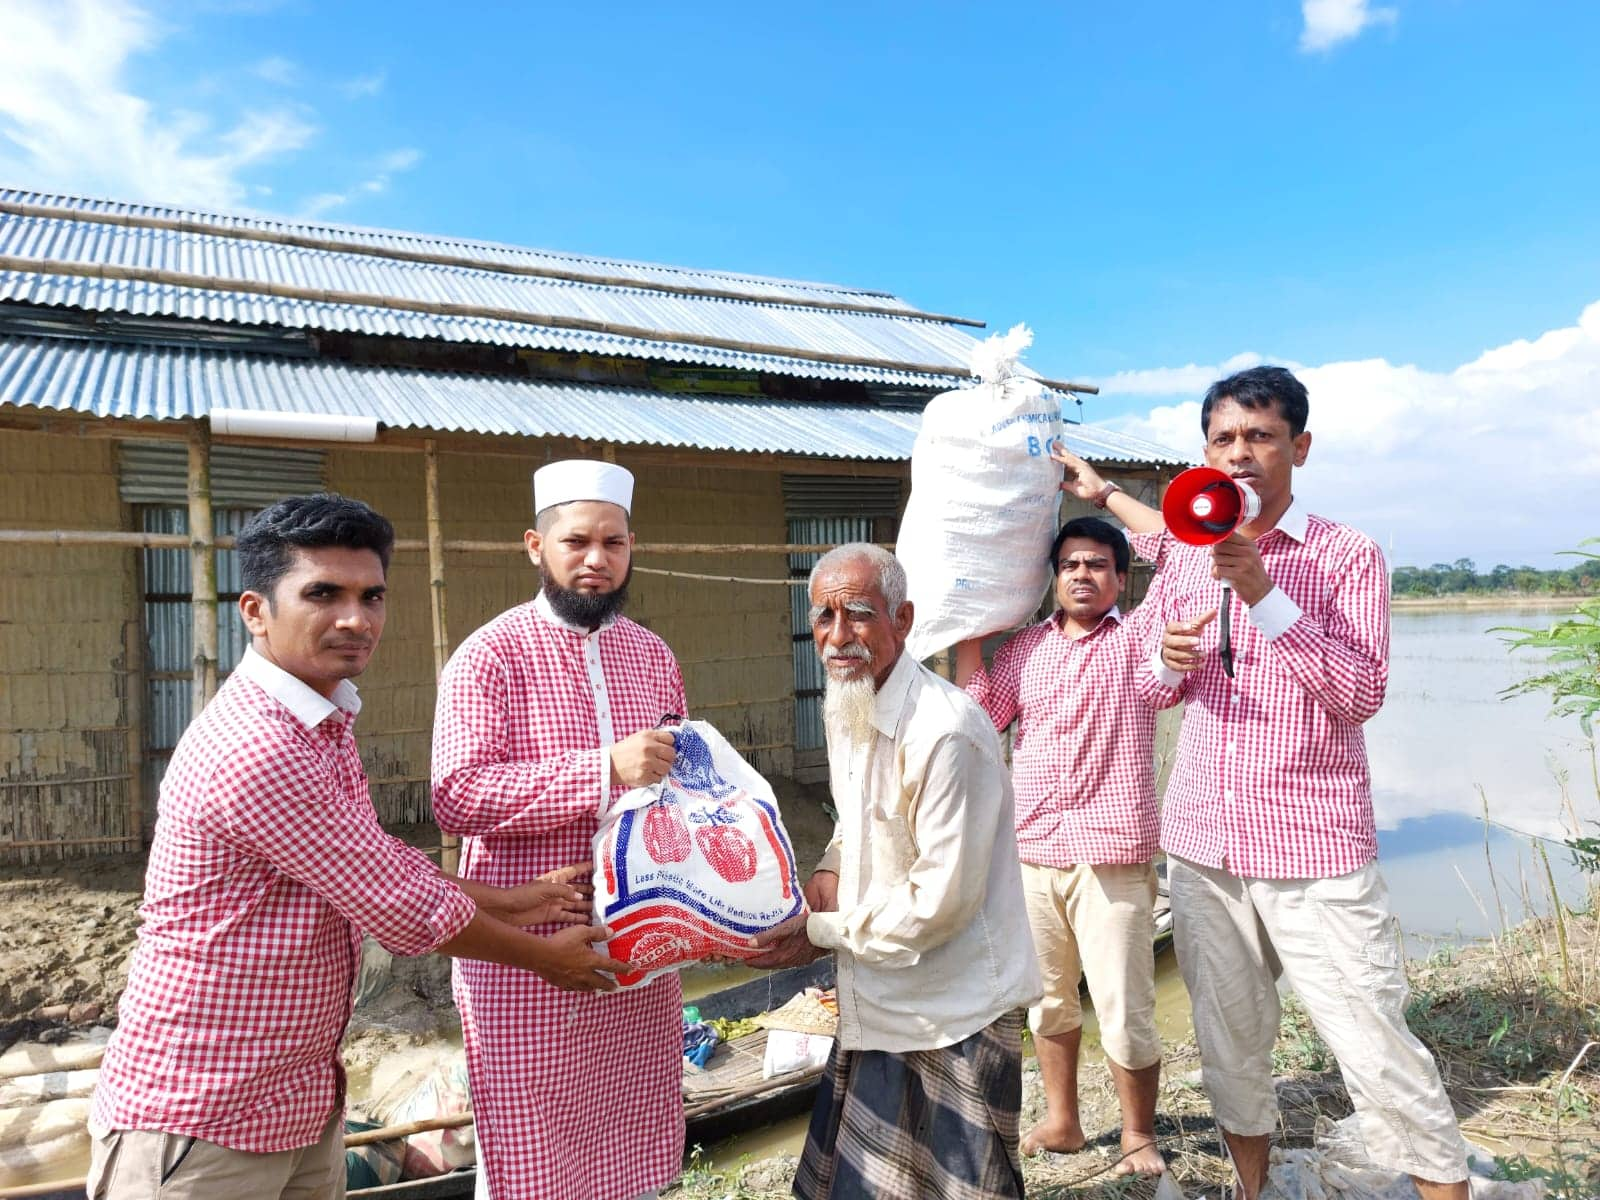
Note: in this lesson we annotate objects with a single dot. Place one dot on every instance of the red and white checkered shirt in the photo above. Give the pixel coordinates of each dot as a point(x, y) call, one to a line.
point(1271, 777)
point(267, 865)
point(1082, 761)
point(576, 1096)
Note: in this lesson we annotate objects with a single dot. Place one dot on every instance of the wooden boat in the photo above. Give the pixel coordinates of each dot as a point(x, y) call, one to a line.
point(729, 1096)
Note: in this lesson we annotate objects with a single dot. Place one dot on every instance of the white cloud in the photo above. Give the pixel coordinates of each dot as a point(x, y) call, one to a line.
point(1497, 460)
point(1329, 22)
point(1172, 381)
point(69, 122)
point(387, 166)
point(400, 160)
point(278, 70)
point(363, 85)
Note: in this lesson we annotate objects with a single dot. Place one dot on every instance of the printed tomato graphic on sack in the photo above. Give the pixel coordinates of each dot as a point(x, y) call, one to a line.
point(666, 833)
point(729, 850)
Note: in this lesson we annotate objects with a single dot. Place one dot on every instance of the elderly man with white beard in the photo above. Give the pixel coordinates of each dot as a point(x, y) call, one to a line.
point(920, 897)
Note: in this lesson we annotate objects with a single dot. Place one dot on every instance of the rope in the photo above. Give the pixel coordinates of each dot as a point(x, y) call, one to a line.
point(721, 578)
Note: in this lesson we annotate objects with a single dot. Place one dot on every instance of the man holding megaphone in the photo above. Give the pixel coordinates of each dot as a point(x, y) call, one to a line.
point(1267, 819)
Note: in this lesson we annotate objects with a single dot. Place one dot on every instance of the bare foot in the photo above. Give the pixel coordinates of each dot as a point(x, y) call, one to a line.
point(1139, 1156)
point(1057, 1136)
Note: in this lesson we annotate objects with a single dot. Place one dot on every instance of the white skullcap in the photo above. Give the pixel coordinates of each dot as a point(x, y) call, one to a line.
point(582, 479)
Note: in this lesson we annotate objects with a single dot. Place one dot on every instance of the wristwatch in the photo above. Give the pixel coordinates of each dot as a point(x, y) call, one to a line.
point(1104, 494)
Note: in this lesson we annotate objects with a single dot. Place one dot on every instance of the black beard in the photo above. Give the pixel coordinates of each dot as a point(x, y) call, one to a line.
point(587, 609)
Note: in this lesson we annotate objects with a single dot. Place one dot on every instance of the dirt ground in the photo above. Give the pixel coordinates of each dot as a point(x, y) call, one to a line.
point(1510, 1023)
point(68, 930)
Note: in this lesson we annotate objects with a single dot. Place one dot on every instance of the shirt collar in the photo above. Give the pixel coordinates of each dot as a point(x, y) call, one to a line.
point(309, 707)
point(890, 702)
point(1059, 619)
point(1293, 522)
point(541, 605)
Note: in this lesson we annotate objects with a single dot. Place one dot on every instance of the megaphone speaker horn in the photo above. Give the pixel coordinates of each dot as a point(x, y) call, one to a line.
point(1203, 506)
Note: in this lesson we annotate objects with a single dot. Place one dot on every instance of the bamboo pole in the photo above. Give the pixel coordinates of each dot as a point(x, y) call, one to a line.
point(514, 316)
point(390, 1133)
point(450, 856)
point(401, 254)
point(50, 843)
point(179, 541)
point(133, 682)
point(202, 571)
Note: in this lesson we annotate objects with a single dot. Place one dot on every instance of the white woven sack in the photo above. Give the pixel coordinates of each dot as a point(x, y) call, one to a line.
point(985, 500)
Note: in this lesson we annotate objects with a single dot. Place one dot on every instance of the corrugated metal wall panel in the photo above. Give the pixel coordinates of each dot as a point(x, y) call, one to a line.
point(831, 495)
point(809, 679)
point(168, 621)
point(241, 477)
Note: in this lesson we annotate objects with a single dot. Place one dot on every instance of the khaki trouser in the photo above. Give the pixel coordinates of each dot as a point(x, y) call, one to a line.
point(1338, 946)
point(140, 1164)
point(1096, 920)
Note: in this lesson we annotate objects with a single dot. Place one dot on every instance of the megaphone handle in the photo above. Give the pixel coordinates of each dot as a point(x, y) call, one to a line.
point(1225, 629)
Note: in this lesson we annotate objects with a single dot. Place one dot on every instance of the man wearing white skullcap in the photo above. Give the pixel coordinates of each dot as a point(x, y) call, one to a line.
point(545, 716)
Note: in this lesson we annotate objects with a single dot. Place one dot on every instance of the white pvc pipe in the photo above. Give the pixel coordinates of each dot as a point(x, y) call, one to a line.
point(315, 427)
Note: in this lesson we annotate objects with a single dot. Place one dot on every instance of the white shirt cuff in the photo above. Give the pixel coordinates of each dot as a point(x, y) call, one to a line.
point(825, 930)
point(1274, 613)
point(1165, 675)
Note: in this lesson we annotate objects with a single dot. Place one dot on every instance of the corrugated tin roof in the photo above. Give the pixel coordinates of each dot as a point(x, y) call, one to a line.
point(223, 260)
point(197, 304)
point(214, 260)
point(109, 379)
point(493, 252)
point(1110, 446)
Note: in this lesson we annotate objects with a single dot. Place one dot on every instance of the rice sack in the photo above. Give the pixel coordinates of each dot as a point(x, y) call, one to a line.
point(984, 503)
point(692, 867)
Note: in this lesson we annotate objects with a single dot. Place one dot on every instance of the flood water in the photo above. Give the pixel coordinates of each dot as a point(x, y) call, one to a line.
point(1444, 741)
point(1445, 745)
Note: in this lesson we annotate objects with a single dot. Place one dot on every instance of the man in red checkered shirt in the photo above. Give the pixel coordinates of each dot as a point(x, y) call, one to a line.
point(268, 863)
point(1267, 820)
point(1083, 770)
point(546, 714)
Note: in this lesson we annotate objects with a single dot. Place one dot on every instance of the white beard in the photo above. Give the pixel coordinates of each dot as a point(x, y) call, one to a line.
point(847, 708)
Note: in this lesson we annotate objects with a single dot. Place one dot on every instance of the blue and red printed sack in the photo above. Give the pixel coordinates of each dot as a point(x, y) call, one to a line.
point(692, 867)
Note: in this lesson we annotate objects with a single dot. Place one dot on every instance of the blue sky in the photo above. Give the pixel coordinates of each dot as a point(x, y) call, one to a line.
point(1398, 198)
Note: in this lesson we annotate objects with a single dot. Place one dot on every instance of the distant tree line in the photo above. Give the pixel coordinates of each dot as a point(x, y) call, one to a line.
point(1462, 578)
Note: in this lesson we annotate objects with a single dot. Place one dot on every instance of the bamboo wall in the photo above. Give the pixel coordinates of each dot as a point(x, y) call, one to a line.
point(69, 679)
point(732, 641)
point(71, 684)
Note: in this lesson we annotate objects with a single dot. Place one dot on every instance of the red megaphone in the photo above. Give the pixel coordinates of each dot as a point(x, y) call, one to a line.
point(1203, 506)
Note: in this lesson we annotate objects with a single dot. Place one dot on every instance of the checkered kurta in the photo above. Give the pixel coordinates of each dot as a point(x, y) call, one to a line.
point(1082, 761)
point(1271, 777)
point(267, 865)
point(576, 1096)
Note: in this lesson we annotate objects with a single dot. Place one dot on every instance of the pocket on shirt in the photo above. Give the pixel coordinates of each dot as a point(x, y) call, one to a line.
point(893, 849)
